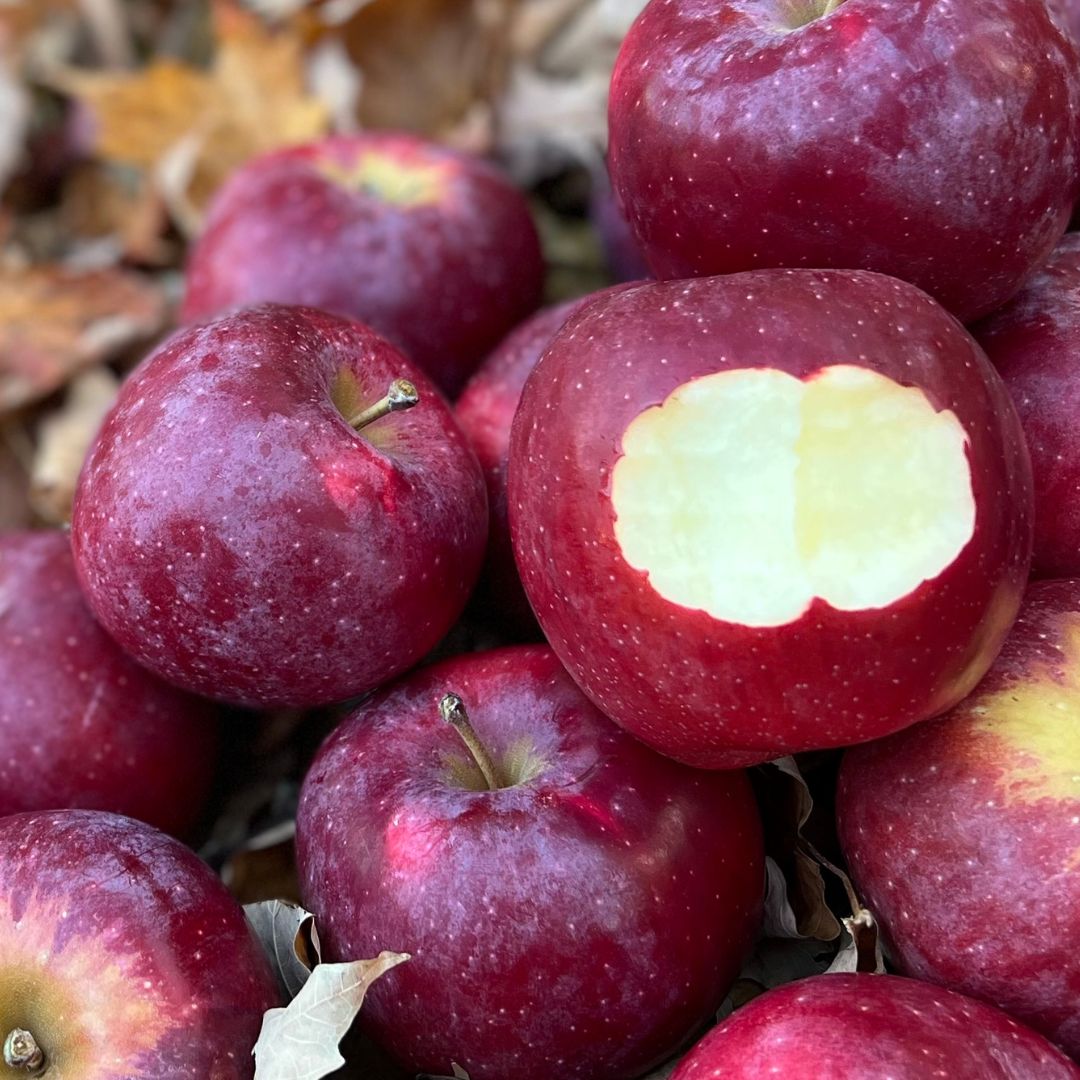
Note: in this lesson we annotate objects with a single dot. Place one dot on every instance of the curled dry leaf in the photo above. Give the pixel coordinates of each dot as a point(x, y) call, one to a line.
point(14, 117)
point(55, 321)
point(187, 128)
point(300, 1042)
point(15, 511)
point(288, 936)
point(64, 437)
point(861, 950)
point(786, 808)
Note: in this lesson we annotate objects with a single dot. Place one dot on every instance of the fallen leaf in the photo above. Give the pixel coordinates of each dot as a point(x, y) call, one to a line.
point(14, 117)
point(64, 438)
point(55, 321)
point(15, 451)
point(862, 948)
point(300, 1042)
point(288, 936)
point(186, 127)
point(786, 805)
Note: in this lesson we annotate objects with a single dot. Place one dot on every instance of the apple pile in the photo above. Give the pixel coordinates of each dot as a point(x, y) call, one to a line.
point(777, 499)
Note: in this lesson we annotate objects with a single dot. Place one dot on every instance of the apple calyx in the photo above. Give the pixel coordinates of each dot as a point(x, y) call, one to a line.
point(452, 710)
point(401, 395)
point(21, 1051)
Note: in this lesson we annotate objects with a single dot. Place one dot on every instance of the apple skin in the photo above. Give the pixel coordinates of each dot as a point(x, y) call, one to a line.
point(947, 824)
point(1033, 342)
point(718, 694)
point(485, 411)
point(81, 724)
point(894, 137)
point(866, 1027)
point(124, 954)
point(239, 539)
point(444, 280)
point(583, 923)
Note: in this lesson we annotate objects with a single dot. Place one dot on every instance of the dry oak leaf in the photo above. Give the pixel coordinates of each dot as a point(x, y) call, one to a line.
point(187, 127)
point(288, 936)
point(300, 1042)
point(55, 321)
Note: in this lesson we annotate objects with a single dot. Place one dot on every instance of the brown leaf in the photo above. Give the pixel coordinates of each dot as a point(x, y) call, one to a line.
point(188, 128)
point(300, 1042)
point(426, 65)
point(288, 936)
point(14, 117)
point(862, 949)
point(797, 893)
point(55, 321)
point(64, 437)
point(15, 511)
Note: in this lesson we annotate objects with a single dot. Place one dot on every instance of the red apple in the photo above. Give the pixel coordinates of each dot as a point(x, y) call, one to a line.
point(937, 142)
point(871, 1027)
point(122, 956)
point(1034, 342)
point(81, 724)
point(485, 412)
point(434, 249)
point(777, 511)
point(579, 920)
point(238, 537)
point(963, 833)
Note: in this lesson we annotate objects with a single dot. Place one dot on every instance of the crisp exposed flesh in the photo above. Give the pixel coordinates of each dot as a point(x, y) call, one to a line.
point(750, 492)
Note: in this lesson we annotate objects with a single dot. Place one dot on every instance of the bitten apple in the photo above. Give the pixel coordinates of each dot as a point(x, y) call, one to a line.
point(964, 834)
point(122, 956)
point(81, 724)
point(574, 904)
point(1034, 342)
point(265, 519)
point(871, 1027)
point(434, 249)
point(777, 511)
point(937, 142)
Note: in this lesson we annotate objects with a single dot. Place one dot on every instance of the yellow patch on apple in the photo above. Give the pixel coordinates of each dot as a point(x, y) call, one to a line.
point(395, 181)
point(750, 492)
point(1037, 721)
point(60, 993)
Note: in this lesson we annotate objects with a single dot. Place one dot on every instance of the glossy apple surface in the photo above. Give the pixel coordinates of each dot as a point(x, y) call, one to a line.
point(896, 137)
point(81, 724)
point(239, 538)
point(1034, 342)
point(485, 410)
point(122, 954)
point(947, 824)
point(771, 512)
point(434, 249)
point(581, 923)
point(867, 1027)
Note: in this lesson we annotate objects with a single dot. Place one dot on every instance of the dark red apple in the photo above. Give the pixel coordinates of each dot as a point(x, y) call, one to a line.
point(777, 511)
point(237, 535)
point(871, 1027)
point(81, 724)
point(1034, 341)
point(937, 142)
point(485, 412)
point(122, 956)
point(579, 920)
point(434, 249)
point(963, 833)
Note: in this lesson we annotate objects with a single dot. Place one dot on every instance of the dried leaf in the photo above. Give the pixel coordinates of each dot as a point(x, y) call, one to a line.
point(14, 117)
point(64, 437)
point(300, 1042)
point(15, 511)
point(191, 127)
point(56, 321)
point(288, 936)
point(786, 808)
point(862, 948)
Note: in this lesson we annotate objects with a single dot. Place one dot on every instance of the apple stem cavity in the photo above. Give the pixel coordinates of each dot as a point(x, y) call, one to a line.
point(452, 709)
point(21, 1051)
point(401, 395)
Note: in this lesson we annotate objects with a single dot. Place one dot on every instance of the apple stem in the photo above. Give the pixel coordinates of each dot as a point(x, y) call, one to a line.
point(21, 1051)
point(401, 395)
point(452, 709)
